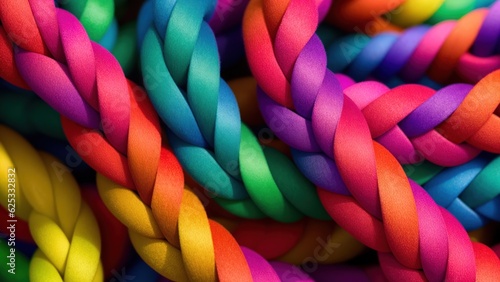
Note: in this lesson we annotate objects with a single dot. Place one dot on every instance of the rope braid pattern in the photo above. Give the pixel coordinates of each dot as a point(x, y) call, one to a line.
point(375, 16)
point(98, 19)
point(415, 238)
point(433, 128)
point(112, 125)
point(445, 185)
point(438, 126)
point(62, 225)
point(115, 243)
point(97, 16)
point(29, 115)
point(469, 191)
point(181, 67)
point(441, 51)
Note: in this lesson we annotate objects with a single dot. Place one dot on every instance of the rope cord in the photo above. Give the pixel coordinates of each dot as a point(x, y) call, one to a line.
point(415, 238)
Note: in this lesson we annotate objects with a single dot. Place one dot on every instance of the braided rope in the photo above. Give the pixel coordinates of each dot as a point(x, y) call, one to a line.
point(445, 185)
point(136, 121)
point(23, 31)
point(29, 115)
point(41, 118)
point(114, 235)
point(97, 16)
point(98, 19)
point(205, 130)
point(376, 16)
point(429, 122)
point(433, 128)
point(469, 191)
point(22, 265)
point(225, 22)
point(415, 238)
point(163, 218)
point(62, 225)
point(442, 51)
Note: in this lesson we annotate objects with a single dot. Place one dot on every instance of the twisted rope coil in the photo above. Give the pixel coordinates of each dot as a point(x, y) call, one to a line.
point(357, 177)
point(225, 22)
point(88, 116)
point(98, 19)
point(428, 123)
point(114, 238)
point(465, 50)
point(206, 133)
point(40, 117)
point(61, 224)
point(399, 130)
point(445, 185)
point(469, 191)
point(372, 17)
point(22, 265)
point(89, 89)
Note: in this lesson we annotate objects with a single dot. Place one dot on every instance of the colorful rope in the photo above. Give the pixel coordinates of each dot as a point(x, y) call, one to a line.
point(62, 225)
point(445, 185)
point(97, 16)
point(448, 184)
point(130, 153)
point(441, 51)
point(202, 115)
point(114, 238)
point(357, 177)
point(430, 122)
point(225, 22)
point(116, 247)
point(371, 17)
point(98, 19)
point(409, 140)
point(469, 191)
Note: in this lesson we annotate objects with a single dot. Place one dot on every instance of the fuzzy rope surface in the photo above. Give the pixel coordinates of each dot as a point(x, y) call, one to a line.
point(465, 50)
point(394, 215)
point(115, 129)
point(62, 225)
point(372, 17)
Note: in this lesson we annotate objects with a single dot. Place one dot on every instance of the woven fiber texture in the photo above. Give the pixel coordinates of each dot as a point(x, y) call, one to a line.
point(393, 214)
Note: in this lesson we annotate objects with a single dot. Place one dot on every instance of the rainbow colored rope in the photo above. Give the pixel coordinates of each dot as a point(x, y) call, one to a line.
point(372, 17)
point(115, 128)
point(202, 115)
point(393, 215)
point(470, 191)
point(441, 50)
point(130, 153)
point(62, 225)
